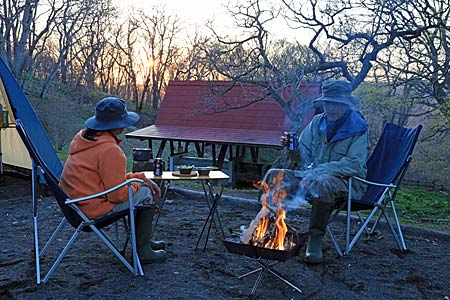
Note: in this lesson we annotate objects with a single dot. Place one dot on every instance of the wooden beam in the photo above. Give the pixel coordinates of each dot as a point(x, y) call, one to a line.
point(150, 146)
point(172, 148)
point(199, 149)
point(254, 151)
point(186, 146)
point(161, 148)
point(213, 153)
point(222, 153)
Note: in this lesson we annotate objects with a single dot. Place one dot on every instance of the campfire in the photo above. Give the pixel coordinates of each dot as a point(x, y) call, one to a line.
point(269, 229)
point(268, 237)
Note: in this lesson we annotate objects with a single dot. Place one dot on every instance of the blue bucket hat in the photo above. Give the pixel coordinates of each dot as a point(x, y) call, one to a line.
point(339, 91)
point(111, 113)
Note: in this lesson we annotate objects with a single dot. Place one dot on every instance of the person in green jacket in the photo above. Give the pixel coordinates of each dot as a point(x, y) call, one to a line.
point(333, 147)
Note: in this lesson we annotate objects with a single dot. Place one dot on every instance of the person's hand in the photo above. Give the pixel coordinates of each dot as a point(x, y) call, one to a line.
point(284, 139)
point(156, 191)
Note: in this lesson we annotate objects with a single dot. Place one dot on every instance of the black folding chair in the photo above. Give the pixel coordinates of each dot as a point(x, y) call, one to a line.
point(386, 167)
point(75, 217)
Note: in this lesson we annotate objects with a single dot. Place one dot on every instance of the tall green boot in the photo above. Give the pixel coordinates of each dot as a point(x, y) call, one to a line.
point(156, 245)
point(320, 215)
point(144, 224)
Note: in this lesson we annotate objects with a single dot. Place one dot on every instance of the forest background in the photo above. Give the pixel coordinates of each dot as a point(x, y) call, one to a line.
point(68, 54)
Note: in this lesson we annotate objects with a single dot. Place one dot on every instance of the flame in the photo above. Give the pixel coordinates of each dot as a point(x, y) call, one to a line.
point(280, 232)
point(276, 238)
point(261, 230)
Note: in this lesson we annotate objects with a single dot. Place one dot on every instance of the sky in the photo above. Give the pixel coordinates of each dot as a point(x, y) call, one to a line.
point(196, 12)
point(191, 12)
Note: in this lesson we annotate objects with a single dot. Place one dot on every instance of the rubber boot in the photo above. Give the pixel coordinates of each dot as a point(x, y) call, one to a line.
point(320, 215)
point(144, 224)
point(155, 245)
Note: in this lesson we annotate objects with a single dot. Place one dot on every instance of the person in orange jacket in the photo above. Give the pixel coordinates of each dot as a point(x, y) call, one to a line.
point(97, 163)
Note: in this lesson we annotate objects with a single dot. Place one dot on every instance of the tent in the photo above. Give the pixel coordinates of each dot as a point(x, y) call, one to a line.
point(12, 149)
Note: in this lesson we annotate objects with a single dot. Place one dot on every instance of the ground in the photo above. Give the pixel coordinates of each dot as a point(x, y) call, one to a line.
point(375, 269)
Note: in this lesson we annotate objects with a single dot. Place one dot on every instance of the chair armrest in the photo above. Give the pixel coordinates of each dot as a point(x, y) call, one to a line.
point(391, 185)
point(127, 182)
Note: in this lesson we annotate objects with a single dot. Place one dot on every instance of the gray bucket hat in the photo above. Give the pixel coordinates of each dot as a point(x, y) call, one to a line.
point(337, 91)
point(111, 113)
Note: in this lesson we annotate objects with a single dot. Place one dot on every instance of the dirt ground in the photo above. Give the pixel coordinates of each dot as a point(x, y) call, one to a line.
point(373, 270)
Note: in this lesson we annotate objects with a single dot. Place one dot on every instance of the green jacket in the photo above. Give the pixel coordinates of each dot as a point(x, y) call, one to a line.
point(344, 156)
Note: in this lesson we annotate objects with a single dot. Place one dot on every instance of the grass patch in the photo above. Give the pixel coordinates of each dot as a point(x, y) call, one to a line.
point(423, 208)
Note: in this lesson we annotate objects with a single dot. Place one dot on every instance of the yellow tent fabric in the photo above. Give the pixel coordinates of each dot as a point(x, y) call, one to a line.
point(11, 146)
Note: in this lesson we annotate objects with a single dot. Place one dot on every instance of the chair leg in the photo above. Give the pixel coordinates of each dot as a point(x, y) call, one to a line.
point(127, 235)
point(397, 222)
point(330, 232)
point(61, 256)
point(39, 254)
point(114, 250)
point(53, 236)
point(395, 233)
point(360, 231)
point(36, 250)
point(335, 243)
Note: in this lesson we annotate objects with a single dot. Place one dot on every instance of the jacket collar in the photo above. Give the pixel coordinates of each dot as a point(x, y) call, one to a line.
point(353, 125)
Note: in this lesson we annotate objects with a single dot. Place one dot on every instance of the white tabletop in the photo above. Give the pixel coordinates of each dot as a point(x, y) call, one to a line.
point(168, 175)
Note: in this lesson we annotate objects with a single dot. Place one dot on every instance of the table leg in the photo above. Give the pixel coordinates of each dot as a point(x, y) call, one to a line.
point(215, 198)
point(165, 186)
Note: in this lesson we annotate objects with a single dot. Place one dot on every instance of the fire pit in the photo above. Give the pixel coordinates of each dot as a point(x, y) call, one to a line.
point(268, 237)
point(262, 256)
point(234, 245)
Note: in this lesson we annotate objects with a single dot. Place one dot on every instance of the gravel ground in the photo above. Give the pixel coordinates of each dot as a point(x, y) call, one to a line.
point(375, 269)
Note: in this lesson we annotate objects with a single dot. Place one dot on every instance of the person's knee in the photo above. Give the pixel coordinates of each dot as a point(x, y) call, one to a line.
point(323, 188)
point(143, 196)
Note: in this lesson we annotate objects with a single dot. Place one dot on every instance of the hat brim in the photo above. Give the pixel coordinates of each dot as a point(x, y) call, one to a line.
point(352, 100)
point(95, 124)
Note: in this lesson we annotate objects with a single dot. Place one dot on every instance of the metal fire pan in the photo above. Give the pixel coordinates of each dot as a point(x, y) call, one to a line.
point(233, 245)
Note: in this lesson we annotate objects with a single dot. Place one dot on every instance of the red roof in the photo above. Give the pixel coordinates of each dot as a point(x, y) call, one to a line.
point(185, 104)
point(184, 116)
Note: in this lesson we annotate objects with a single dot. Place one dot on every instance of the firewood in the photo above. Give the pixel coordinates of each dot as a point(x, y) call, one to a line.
point(248, 233)
point(288, 226)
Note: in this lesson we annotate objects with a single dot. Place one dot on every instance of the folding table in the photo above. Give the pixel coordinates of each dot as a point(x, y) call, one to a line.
point(212, 196)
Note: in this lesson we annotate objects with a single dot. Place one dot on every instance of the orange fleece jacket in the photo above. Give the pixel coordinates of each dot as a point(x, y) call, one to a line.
point(95, 166)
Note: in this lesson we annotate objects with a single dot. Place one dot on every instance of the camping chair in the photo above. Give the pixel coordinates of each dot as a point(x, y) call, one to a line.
point(386, 167)
point(75, 217)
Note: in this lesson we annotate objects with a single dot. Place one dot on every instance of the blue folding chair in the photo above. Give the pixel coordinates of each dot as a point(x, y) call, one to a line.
point(386, 167)
point(75, 217)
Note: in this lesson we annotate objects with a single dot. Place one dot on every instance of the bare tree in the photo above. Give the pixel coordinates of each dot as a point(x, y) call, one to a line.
point(81, 32)
point(148, 43)
point(277, 67)
point(160, 33)
point(25, 25)
point(126, 42)
point(95, 37)
point(193, 65)
point(421, 65)
point(348, 38)
point(67, 27)
point(413, 35)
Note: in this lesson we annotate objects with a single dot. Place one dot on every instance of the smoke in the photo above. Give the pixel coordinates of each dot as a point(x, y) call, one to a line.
point(292, 188)
point(282, 185)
